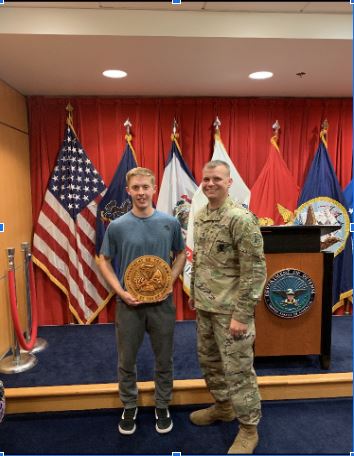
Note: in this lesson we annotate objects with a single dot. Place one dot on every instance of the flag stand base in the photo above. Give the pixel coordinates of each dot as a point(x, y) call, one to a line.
point(40, 345)
point(13, 365)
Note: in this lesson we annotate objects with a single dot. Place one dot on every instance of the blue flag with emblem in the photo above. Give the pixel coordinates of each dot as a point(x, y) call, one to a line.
point(116, 201)
point(322, 203)
point(349, 196)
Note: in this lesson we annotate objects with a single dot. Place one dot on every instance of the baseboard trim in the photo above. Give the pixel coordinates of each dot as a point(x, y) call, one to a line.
point(99, 396)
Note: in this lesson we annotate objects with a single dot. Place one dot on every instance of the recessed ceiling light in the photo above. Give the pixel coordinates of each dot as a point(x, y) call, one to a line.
point(260, 75)
point(114, 74)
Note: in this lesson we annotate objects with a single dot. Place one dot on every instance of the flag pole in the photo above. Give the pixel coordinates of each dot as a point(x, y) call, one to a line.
point(275, 138)
point(128, 137)
point(69, 120)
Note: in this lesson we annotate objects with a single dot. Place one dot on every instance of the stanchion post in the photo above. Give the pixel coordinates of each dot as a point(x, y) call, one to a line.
point(40, 344)
point(15, 345)
point(27, 256)
point(18, 362)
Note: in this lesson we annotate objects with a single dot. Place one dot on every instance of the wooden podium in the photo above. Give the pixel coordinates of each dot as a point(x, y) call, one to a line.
point(297, 247)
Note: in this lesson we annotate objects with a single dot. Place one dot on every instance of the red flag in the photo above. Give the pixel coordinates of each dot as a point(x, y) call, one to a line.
point(275, 193)
point(64, 237)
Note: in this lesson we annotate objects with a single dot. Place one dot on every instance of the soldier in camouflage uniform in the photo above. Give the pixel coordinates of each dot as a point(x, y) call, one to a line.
point(228, 276)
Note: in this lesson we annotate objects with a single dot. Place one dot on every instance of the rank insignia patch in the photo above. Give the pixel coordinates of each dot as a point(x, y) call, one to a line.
point(289, 293)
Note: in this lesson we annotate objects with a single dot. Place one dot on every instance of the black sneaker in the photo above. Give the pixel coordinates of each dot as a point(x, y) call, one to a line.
point(163, 420)
point(127, 424)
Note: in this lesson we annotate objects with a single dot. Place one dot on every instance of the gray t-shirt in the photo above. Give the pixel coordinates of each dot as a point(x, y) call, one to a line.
point(129, 237)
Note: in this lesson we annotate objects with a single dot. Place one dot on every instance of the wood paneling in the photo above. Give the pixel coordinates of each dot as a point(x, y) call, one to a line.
point(15, 202)
point(13, 108)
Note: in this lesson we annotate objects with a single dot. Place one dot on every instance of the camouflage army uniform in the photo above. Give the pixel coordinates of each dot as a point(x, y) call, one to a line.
point(228, 276)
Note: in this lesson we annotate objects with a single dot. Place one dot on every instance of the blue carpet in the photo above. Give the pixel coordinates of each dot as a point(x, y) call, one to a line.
point(87, 354)
point(287, 427)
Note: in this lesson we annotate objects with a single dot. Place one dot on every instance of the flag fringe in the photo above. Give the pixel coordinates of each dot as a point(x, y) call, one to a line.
point(129, 139)
point(340, 303)
point(66, 292)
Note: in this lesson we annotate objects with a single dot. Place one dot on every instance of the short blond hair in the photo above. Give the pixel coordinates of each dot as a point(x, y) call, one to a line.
point(140, 172)
point(215, 163)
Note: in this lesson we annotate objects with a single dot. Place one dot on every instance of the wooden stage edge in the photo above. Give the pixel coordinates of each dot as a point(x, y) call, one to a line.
point(102, 396)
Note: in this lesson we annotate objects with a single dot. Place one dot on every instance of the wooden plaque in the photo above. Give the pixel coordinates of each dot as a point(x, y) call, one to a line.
point(148, 278)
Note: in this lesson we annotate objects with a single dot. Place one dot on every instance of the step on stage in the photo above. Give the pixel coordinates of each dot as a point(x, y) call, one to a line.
point(77, 371)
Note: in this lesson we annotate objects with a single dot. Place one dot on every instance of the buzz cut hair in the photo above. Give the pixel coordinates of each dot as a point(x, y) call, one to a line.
point(140, 172)
point(215, 163)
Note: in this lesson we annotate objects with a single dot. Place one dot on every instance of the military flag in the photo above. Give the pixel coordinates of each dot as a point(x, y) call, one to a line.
point(348, 194)
point(238, 191)
point(322, 203)
point(116, 201)
point(275, 193)
point(177, 187)
point(64, 236)
point(348, 197)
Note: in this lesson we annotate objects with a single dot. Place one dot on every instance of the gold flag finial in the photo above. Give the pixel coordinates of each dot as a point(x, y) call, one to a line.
point(276, 127)
point(275, 138)
point(128, 137)
point(324, 130)
point(69, 120)
point(217, 124)
point(128, 125)
point(324, 125)
point(69, 109)
point(174, 134)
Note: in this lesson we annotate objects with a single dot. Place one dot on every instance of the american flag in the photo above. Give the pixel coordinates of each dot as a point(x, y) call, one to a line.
point(64, 237)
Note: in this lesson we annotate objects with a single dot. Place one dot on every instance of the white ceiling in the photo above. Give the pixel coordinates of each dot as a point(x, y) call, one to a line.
point(192, 49)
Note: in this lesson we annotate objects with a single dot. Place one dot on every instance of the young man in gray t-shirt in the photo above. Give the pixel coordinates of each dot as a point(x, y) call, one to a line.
point(143, 231)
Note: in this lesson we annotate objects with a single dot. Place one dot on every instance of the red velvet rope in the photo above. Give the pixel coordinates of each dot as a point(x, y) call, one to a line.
point(14, 311)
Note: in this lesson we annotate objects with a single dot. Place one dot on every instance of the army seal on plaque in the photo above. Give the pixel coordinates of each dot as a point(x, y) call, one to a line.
point(148, 278)
point(289, 293)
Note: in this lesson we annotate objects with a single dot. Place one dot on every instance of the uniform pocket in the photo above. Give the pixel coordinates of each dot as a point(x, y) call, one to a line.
point(239, 354)
point(222, 250)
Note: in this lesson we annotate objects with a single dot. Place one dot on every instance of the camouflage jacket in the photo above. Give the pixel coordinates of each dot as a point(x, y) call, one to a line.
point(229, 269)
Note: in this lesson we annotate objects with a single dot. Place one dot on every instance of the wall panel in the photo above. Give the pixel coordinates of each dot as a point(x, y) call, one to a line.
point(15, 202)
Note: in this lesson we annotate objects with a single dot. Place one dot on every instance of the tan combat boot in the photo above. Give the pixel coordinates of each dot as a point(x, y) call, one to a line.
point(219, 411)
point(245, 441)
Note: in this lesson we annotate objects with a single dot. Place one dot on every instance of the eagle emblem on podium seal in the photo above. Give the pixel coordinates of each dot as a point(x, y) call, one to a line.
point(289, 293)
point(326, 211)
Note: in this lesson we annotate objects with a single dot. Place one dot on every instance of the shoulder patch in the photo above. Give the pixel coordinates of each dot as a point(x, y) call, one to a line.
point(257, 239)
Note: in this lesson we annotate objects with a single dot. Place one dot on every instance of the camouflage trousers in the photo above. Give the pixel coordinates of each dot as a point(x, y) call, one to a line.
point(227, 365)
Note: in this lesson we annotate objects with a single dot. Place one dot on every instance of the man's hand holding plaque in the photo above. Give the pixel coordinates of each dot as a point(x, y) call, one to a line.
point(148, 279)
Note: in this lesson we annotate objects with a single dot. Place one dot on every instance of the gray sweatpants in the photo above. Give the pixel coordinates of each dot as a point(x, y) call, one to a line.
point(158, 320)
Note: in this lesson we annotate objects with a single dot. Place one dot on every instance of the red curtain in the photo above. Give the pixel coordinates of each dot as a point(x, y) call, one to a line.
point(245, 131)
